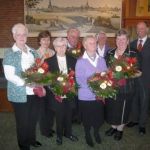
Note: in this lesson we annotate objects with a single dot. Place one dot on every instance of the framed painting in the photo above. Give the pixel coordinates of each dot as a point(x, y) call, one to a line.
point(89, 16)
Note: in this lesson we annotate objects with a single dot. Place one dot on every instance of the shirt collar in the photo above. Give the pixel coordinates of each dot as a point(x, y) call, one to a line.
point(94, 63)
point(143, 39)
point(15, 48)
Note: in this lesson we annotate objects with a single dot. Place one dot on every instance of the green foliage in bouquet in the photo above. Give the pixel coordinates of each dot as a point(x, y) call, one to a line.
point(124, 67)
point(102, 85)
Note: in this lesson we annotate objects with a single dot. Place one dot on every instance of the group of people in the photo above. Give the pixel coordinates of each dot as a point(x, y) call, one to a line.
point(130, 104)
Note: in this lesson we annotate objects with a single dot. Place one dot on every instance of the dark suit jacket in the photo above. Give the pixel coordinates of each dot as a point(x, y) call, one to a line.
point(53, 63)
point(107, 48)
point(144, 60)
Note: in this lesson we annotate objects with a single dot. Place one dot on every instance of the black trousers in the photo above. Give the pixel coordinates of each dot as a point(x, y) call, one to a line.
point(63, 118)
point(47, 115)
point(26, 115)
point(140, 104)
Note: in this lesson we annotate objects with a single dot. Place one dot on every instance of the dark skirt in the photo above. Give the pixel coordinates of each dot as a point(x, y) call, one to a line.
point(117, 110)
point(92, 113)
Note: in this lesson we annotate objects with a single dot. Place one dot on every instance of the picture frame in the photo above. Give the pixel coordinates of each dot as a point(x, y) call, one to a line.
point(58, 16)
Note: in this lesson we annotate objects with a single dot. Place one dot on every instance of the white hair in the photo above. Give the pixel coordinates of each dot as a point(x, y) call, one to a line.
point(59, 41)
point(18, 26)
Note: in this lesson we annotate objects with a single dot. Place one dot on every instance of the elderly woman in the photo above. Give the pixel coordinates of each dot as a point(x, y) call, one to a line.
point(117, 110)
point(90, 108)
point(60, 62)
point(26, 105)
point(46, 113)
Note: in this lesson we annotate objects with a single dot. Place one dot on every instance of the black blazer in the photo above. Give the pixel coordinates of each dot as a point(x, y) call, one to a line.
point(53, 63)
point(144, 60)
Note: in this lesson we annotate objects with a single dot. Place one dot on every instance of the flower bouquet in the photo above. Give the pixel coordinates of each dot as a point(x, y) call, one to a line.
point(124, 68)
point(37, 76)
point(76, 53)
point(36, 73)
point(63, 85)
point(102, 85)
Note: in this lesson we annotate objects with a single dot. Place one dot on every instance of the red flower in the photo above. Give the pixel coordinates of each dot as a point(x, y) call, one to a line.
point(122, 82)
point(45, 66)
point(79, 45)
point(38, 61)
point(71, 81)
point(58, 98)
point(65, 89)
point(71, 73)
point(132, 60)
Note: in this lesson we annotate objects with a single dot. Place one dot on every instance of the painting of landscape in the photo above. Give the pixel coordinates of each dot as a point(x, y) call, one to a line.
point(89, 16)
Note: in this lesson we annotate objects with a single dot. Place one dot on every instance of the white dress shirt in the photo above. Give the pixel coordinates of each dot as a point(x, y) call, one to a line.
point(101, 51)
point(27, 60)
point(62, 64)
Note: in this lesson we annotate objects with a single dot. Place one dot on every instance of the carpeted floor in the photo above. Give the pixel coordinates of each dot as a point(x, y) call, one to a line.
point(131, 139)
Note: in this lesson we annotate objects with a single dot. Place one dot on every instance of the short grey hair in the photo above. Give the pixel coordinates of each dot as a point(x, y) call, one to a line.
point(123, 32)
point(72, 30)
point(101, 32)
point(17, 26)
point(59, 41)
point(86, 38)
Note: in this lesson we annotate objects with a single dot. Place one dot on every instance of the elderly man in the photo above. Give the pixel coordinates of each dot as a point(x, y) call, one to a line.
point(102, 45)
point(73, 35)
point(141, 102)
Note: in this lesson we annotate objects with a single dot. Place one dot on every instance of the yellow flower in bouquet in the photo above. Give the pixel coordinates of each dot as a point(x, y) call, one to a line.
point(102, 85)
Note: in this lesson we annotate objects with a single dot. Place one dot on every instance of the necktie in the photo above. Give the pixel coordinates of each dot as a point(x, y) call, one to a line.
point(139, 47)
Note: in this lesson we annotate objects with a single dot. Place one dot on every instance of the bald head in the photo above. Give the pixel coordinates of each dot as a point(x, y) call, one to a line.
point(142, 29)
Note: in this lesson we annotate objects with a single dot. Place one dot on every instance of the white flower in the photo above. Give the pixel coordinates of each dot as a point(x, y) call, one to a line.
point(41, 70)
point(74, 52)
point(60, 79)
point(128, 67)
point(64, 83)
point(103, 74)
point(78, 51)
point(118, 68)
point(103, 86)
point(64, 96)
point(109, 83)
